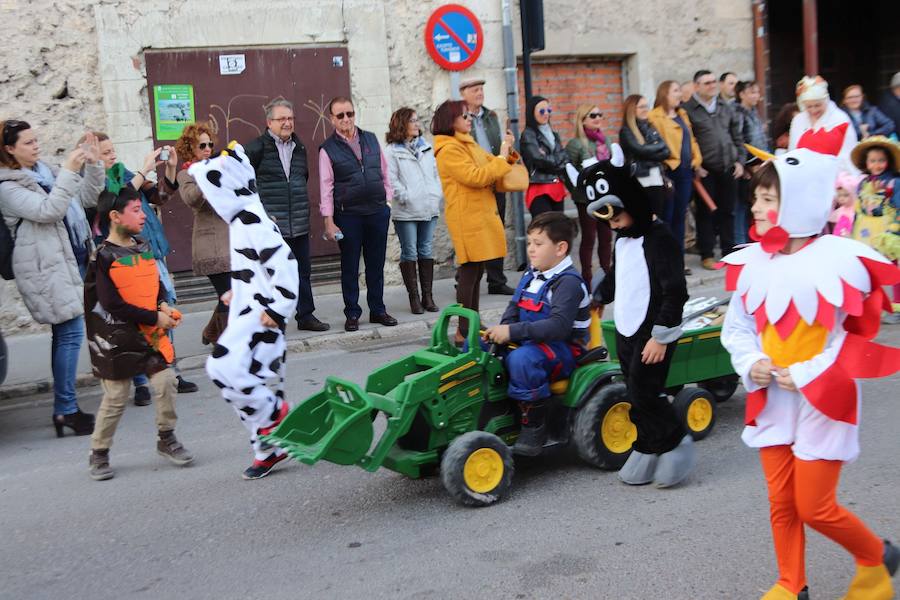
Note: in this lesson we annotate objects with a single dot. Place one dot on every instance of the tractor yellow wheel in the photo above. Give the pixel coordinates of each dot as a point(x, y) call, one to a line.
point(696, 407)
point(483, 470)
point(617, 431)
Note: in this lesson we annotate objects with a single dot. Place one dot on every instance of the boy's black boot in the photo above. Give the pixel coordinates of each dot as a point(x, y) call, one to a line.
point(534, 429)
point(99, 463)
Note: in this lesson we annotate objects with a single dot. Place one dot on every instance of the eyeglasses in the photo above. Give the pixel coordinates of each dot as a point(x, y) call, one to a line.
point(205, 145)
point(10, 127)
point(594, 115)
point(349, 114)
point(283, 119)
point(545, 111)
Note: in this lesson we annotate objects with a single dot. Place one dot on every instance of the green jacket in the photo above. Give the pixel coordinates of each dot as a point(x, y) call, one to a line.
point(580, 150)
point(492, 128)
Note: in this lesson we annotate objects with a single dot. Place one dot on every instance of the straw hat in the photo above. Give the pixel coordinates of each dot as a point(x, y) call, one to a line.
point(858, 155)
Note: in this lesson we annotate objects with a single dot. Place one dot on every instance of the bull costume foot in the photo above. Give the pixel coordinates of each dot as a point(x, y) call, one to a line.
point(675, 465)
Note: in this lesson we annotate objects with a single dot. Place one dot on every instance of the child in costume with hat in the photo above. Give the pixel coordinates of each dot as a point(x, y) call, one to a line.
point(648, 288)
point(878, 210)
point(799, 335)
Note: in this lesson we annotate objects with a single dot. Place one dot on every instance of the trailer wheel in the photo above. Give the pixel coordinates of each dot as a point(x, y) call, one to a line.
point(722, 388)
point(603, 432)
point(696, 407)
point(477, 468)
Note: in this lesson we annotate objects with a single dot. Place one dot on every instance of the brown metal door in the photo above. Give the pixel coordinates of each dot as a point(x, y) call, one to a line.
point(308, 77)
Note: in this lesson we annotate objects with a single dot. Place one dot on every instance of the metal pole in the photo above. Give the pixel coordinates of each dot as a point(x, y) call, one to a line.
point(810, 37)
point(512, 109)
point(454, 86)
point(526, 52)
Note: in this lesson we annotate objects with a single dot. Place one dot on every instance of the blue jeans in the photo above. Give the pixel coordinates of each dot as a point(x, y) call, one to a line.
point(65, 345)
point(676, 209)
point(415, 238)
point(532, 367)
point(742, 212)
point(366, 236)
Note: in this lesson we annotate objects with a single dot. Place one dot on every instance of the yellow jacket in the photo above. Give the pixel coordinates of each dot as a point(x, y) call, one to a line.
point(467, 175)
point(671, 133)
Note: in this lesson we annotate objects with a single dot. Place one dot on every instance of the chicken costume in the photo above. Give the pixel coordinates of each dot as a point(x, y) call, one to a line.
point(813, 312)
point(264, 279)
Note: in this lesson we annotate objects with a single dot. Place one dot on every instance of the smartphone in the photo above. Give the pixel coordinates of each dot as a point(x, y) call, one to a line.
point(164, 155)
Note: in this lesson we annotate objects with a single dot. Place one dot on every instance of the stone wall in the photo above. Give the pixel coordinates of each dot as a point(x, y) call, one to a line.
point(72, 65)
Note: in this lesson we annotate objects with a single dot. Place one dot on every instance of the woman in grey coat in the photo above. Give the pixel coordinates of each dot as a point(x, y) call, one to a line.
point(416, 206)
point(44, 209)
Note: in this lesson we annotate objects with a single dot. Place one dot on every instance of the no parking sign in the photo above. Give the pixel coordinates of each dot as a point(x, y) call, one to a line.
point(453, 37)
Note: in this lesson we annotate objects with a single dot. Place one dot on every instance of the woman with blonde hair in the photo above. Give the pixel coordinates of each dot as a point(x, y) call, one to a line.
point(210, 254)
point(590, 142)
point(645, 150)
point(684, 158)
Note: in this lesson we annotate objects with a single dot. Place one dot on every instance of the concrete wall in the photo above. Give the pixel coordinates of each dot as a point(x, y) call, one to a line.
point(72, 65)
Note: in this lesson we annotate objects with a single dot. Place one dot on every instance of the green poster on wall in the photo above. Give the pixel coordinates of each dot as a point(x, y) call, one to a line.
point(173, 106)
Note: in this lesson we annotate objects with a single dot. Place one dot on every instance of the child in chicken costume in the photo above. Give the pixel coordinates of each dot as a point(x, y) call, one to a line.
point(251, 350)
point(799, 329)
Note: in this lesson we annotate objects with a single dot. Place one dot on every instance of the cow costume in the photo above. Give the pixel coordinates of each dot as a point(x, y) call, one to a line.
point(264, 280)
point(648, 286)
point(811, 309)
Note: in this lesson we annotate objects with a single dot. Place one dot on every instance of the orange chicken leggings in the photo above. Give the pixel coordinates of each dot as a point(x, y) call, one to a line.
point(804, 492)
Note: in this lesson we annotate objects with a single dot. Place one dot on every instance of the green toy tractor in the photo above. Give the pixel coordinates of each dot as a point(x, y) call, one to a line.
point(447, 408)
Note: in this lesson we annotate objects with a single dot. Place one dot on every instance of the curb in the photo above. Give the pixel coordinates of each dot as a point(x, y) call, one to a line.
point(337, 340)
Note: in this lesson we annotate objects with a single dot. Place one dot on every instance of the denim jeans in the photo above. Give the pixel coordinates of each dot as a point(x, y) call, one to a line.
point(415, 238)
point(65, 345)
point(675, 210)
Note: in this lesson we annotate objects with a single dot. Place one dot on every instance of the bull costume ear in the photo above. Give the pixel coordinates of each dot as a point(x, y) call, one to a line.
point(617, 156)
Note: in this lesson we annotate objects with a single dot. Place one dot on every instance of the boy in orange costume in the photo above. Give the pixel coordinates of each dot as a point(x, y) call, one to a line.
point(799, 330)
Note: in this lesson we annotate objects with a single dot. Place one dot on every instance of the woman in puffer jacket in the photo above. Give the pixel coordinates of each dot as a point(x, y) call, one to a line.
point(544, 157)
point(44, 209)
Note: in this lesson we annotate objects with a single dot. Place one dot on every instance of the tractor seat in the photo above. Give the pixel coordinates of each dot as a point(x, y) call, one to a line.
point(593, 355)
point(559, 387)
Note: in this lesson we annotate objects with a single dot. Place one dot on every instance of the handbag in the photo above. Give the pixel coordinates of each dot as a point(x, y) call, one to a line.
point(514, 181)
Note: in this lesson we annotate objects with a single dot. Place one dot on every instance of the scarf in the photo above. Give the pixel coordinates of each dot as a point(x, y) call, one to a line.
point(115, 178)
point(547, 132)
point(598, 138)
point(75, 220)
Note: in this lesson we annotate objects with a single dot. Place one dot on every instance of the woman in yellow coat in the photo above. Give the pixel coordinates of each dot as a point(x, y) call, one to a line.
point(468, 174)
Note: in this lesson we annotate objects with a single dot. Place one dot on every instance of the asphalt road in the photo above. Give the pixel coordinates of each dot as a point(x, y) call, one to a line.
point(565, 531)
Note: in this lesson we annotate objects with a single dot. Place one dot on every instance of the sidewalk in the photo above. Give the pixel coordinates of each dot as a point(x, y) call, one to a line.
point(29, 355)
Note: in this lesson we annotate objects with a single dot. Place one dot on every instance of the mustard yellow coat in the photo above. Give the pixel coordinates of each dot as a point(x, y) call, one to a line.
point(467, 175)
point(672, 134)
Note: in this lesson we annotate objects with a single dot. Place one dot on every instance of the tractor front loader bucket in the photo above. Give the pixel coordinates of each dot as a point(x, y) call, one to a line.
point(334, 425)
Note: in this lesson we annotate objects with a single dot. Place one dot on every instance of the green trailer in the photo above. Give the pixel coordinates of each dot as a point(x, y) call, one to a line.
point(447, 409)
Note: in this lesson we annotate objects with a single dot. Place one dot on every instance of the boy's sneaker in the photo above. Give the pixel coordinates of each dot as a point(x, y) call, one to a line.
point(172, 449)
point(261, 468)
point(99, 463)
point(142, 395)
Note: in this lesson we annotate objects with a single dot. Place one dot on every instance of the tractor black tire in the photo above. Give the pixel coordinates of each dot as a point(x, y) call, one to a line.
point(493, 467)
point(591, 422)
point(722, 388)
point(696, 407)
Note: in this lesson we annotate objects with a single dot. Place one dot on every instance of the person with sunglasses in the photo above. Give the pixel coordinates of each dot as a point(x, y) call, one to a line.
point(44, 209)
point(354, 189)
point(544, 157)
point(590, 142)
point(210, 251)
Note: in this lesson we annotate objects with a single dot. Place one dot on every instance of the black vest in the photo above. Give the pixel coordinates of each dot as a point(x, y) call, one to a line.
point(285, 200)
point(358, 185)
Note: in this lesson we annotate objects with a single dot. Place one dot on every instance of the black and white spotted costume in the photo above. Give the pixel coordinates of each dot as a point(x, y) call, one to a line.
point(264, 279)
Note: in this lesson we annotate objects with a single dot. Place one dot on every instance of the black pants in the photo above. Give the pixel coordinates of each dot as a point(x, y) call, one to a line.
point(722, 187)
point(221, 282)
point(300, 247)
point(494, 268)
point(467, 289)
point(658, 428)
point(543, 204)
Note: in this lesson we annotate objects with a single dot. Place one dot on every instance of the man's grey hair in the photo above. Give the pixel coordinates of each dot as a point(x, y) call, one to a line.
point(270, 107)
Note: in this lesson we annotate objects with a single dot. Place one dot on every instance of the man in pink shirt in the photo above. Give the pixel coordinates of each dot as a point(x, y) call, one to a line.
point(354, 191)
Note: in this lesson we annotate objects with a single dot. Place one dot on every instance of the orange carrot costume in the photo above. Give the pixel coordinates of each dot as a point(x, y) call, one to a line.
point(813, 312)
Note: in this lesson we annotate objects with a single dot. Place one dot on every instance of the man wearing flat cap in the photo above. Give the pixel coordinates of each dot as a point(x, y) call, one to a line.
point(486, 131)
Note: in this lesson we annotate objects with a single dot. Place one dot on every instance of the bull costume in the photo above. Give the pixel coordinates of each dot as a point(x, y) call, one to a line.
point(649, 289)
point(812, 312)
point(265, 281)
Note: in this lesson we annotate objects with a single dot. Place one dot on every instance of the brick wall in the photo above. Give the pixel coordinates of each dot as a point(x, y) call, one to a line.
point(568, 84)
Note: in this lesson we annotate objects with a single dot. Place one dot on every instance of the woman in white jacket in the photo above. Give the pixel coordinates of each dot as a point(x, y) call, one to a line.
point(416, 206)
point(44, 209)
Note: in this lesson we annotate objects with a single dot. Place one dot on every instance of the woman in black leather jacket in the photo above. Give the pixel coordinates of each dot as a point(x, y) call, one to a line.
point(645, 150)
point(544, 157)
